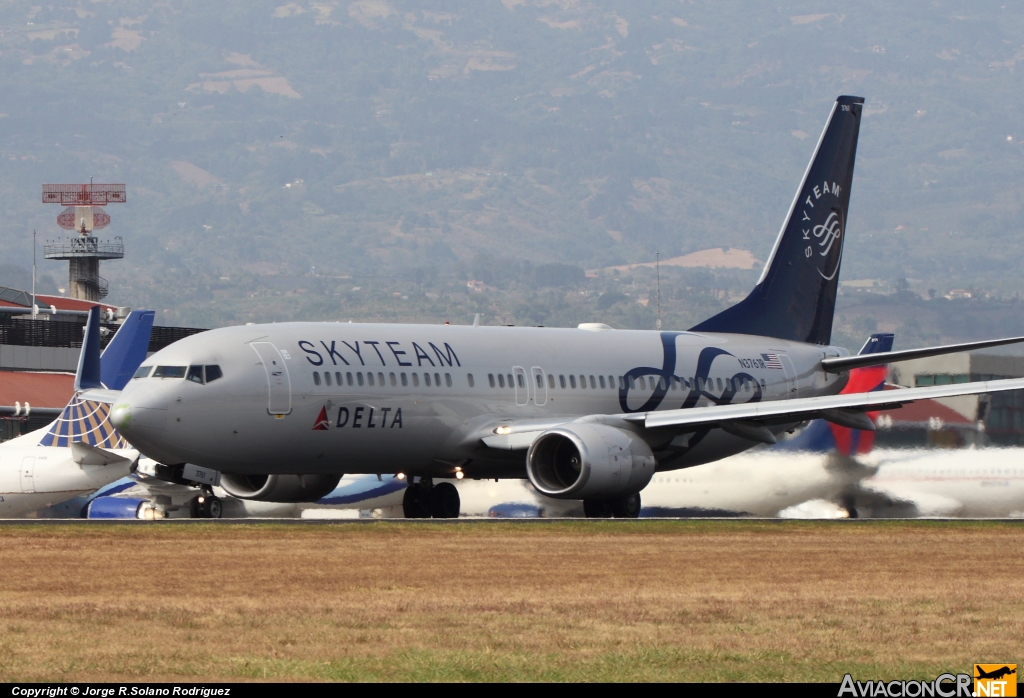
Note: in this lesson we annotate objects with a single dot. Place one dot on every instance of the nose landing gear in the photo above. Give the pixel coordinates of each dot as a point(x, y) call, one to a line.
point(425, 500)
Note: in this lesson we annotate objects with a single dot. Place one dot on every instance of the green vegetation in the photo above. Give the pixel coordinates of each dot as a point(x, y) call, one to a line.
point(279, 155)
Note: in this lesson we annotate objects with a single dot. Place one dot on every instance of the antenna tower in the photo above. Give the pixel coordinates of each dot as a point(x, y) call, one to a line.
point(84, 251)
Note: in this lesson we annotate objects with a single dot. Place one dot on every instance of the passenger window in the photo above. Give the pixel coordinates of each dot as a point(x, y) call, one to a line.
point(662, 384)
point(602, 380)
point(195, 374)
point(572, 381)
point(380, 379)
point(316, 378)
point(394, 381)
point(764, 388)
point(501, 381)
point(405, 380)
point(415, 380)
point(540, 380)
point(369, 377)
point(622, 382)
point(583, 382)
point(213, 373)
point(490, 379)
point(426, 379)
point(520, 380)
point(611, 382)
point(327, 377)
point(719, 380)
point(169, 372)
point(510, 383)
point(632, 383)
point(348, 378)
point(337, 377)
point(359, 378)
point(448, 379)
point(593, 383)
point(551, 381)
point(469, 378)
point(561, 380)
point(142, 372)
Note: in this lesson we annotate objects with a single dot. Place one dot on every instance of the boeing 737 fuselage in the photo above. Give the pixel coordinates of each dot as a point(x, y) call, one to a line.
point(588, 413)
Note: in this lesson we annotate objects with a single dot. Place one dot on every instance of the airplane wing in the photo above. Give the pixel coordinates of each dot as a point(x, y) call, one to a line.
point(800, 409)
point(514, 435)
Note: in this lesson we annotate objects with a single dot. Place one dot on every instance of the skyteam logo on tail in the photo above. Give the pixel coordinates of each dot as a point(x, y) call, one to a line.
point(85, 421)
point(827, 233)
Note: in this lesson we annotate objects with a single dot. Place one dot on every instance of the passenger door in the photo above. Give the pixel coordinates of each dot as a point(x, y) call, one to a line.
point(28, 474)
point(278, 382)
point(540, 387)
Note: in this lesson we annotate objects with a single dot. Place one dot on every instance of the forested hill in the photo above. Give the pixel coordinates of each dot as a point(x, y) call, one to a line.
point(414, 140)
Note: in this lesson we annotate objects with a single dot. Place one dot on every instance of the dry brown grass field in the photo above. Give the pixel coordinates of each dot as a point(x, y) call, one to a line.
point(698, 600)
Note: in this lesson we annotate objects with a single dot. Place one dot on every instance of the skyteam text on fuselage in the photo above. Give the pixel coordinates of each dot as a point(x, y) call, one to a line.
point(588, 413)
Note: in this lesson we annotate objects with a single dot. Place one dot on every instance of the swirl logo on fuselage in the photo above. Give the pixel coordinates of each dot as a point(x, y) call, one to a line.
point(700, 381)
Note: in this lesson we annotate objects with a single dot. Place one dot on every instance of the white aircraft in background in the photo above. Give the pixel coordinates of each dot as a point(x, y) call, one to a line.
point(79, 451)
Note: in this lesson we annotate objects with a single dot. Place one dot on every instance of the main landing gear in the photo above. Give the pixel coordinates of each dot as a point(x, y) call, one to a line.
point(619, 507)
point(425, 500)
point(206, 506)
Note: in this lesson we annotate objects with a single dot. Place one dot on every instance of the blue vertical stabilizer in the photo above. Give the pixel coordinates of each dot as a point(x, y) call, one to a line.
point(795, 297)
point(88, 374)
point(127, 350)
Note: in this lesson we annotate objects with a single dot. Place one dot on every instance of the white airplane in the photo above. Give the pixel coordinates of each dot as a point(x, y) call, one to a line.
point(282, 410)
point(80, 451)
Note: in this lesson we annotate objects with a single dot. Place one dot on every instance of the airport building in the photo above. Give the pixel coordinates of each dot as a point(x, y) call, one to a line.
point(996, 419)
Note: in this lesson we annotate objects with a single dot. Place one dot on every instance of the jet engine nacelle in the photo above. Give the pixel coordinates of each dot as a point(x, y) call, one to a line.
point(279, 488)
point(583, 461)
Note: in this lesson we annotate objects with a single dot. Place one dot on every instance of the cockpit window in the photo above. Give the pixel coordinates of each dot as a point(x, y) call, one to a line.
point(143, 372)
point(169, 372)
point(195, 374)
point(213, 373)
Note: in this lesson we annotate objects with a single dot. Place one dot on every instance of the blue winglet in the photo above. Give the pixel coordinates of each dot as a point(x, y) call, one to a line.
point(88, 374)
point(127, 350)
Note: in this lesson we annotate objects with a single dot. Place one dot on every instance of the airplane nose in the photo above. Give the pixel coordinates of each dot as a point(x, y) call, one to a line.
point(121, 416)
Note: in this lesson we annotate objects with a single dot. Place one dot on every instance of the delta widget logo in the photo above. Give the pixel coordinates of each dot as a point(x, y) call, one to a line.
point(322, 423)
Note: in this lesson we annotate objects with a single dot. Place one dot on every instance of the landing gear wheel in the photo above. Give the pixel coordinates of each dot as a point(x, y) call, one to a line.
point(415, 503)
point(213, 508)
point(206, 506)
point(626, 507)
point(597, 508)
point(443, 500)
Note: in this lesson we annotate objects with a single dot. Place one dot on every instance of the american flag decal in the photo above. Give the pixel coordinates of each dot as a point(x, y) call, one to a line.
point(771, 360)
point(84, 420)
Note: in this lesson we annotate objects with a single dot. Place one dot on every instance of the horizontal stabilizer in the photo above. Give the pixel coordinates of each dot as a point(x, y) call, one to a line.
point(105, 396)
point(845, 363)
point(84, 454)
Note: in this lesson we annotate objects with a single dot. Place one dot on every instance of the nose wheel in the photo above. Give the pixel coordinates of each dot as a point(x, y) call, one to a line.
point(425, 500)
point(619, 507)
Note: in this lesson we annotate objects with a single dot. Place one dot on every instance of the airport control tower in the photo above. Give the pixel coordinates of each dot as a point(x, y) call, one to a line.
point(84, 251)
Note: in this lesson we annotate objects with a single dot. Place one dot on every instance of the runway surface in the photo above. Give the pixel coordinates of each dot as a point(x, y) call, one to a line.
point(508, 600)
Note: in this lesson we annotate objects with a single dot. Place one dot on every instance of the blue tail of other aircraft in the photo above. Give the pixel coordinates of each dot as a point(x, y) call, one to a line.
point(795, 297)
point(86, 420)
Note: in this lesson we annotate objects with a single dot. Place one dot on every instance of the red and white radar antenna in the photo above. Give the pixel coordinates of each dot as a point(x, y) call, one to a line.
point(84, 251)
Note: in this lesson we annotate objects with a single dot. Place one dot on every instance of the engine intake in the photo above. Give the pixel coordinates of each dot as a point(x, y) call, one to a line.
point(279, 488)
point(582, 461)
